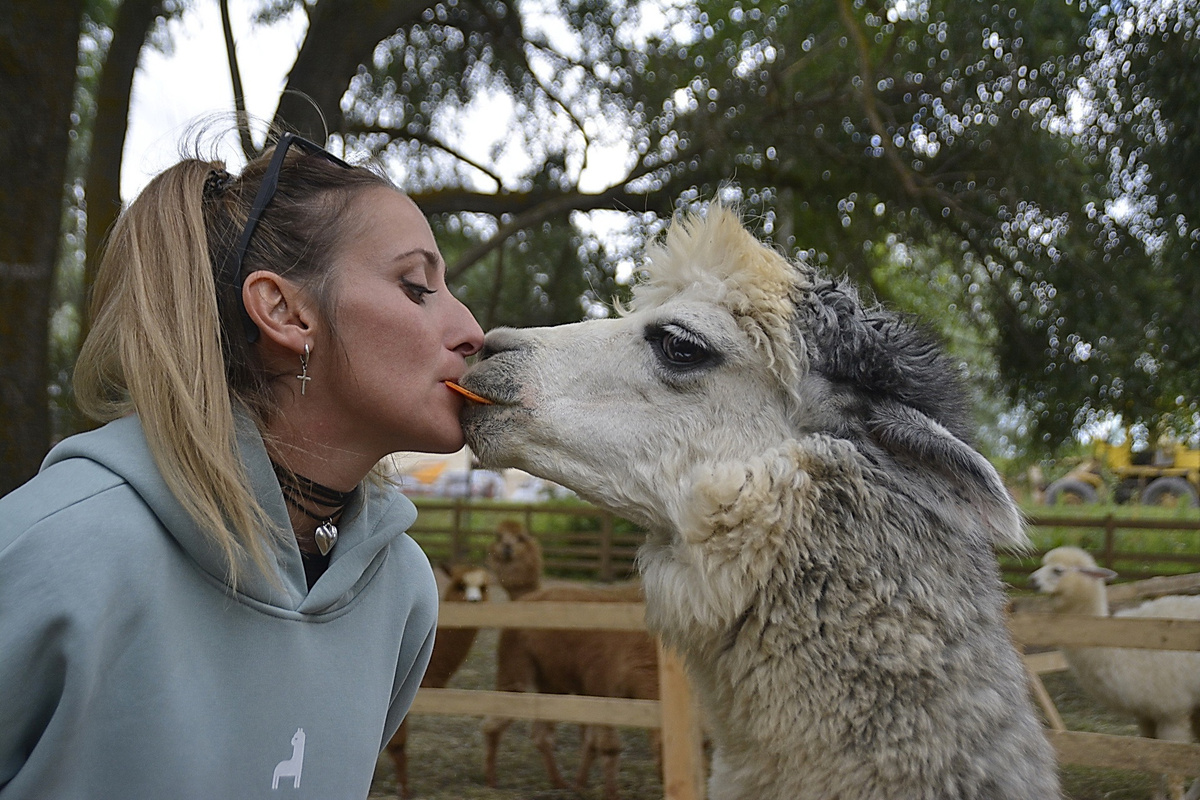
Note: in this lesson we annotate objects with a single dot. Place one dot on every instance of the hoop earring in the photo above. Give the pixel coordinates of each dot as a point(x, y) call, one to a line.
point(303, 376)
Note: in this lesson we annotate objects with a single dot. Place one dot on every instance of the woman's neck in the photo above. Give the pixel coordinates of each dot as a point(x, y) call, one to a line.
point(314, 502)
point(312, 457)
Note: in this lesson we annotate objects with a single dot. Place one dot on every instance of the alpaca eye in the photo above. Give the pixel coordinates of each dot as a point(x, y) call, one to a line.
point(677, 346)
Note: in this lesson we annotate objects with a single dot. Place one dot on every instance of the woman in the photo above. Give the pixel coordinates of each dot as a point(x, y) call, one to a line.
point(204, 597)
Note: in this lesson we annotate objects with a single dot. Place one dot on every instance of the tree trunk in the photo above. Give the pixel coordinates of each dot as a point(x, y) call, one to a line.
point(103, 179)
point(38, 55)
point(342, 34)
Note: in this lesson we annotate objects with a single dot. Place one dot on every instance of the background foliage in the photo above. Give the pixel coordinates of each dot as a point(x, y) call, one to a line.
point(1023, 176)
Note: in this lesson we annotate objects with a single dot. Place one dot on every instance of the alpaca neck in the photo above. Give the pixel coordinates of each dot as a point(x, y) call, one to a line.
point(1093, 602)
point(450, 650)
point(518, 590)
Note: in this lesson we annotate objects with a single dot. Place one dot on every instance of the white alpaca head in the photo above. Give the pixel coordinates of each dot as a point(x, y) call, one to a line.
point(725, 351)
point(1070, 575)
point(821, 535)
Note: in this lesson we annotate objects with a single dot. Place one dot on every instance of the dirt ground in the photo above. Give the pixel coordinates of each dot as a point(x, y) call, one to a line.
point(446, 753)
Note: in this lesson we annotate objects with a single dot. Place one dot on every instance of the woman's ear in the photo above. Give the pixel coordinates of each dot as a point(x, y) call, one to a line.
point(279, 309)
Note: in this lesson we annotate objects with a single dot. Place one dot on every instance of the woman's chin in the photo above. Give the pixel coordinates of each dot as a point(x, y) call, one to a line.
point(439, 440)
point(451, 442)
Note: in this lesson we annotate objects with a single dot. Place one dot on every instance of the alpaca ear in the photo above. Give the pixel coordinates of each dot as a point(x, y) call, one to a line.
point(908, 434)
point(1099, 573)
point(881, 354)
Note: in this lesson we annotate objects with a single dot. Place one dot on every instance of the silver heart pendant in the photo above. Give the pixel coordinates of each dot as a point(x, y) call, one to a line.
point(326, 536)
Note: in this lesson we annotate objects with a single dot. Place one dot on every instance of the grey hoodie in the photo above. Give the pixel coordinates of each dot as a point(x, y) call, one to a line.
point(129, 669)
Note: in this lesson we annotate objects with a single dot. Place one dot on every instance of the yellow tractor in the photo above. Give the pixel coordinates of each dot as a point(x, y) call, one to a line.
point(1168, 475)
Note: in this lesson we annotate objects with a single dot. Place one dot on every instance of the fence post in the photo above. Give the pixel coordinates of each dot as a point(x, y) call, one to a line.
point(456, 551)
point(1110, 536)
point(606, 545)
point(682, 743)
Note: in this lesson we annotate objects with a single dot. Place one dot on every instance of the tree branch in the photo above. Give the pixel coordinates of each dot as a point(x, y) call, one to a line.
point(870, 107)
point(235, 75)
point(342, 34)
point(545, 210)
point(547, 207)
point(549, 90)
point(425, 139)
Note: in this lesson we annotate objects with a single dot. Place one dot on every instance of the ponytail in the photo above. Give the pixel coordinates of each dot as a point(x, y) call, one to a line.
point(155, 348)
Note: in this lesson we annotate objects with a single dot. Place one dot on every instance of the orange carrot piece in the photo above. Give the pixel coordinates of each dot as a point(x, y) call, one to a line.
point(467, 393)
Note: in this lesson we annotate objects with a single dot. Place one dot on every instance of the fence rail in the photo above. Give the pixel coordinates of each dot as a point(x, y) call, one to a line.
point(577, 539)
point(589, 543)
point(1111, 527)
point(1073, 630)
point(676, 715)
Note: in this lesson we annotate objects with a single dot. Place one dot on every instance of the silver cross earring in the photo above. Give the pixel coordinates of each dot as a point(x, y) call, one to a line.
point(303, 376)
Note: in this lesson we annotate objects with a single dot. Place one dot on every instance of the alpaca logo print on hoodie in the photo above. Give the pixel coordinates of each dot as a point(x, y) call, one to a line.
point(291, 767)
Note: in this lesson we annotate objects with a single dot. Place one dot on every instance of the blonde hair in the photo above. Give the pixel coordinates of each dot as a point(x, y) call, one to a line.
point(167, 341)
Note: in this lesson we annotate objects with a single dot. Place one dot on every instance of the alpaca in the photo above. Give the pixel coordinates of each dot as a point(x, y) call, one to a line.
point(464, 583)
point(1161, 689)
point(515, 559)
point(587, 662)
point(597, 663)
point(820, 545)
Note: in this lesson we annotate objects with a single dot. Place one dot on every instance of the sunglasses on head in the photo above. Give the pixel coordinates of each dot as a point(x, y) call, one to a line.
point(266, 192)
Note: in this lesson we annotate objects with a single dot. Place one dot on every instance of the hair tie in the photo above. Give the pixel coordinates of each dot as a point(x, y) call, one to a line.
point(216, 183)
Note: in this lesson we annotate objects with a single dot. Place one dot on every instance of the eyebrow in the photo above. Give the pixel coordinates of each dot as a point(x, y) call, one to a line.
point(431, 258)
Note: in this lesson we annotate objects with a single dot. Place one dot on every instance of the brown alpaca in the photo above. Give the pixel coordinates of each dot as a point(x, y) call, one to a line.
point(515, 559)
point(596, 663)
point(464, 583)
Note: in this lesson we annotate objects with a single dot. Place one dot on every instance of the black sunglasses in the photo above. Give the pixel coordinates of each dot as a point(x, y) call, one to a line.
point(266, 192)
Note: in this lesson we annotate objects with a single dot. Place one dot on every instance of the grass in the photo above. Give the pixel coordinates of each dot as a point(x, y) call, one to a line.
point(1081, 713)
point(1145, 551)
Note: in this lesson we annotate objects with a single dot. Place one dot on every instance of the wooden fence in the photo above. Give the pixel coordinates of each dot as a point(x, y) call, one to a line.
point(675, 712)
point(1111, 530)
point(1036, 631)
point(588, 543)
point(677, 715)
point(578, 540)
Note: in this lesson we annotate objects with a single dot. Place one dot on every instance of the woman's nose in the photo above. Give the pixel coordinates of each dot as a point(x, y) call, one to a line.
point(469, 334)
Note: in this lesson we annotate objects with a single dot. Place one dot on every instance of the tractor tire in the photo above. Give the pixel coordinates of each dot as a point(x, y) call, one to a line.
point(1170, 491)
point(1125, 491)
point(1070, 491)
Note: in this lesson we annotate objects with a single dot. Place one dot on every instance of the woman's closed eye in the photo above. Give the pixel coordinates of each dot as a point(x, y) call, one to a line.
point(416, 291)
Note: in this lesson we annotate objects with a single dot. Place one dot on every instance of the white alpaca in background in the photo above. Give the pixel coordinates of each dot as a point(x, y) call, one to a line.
point(821, 535)
point(1160, 688)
